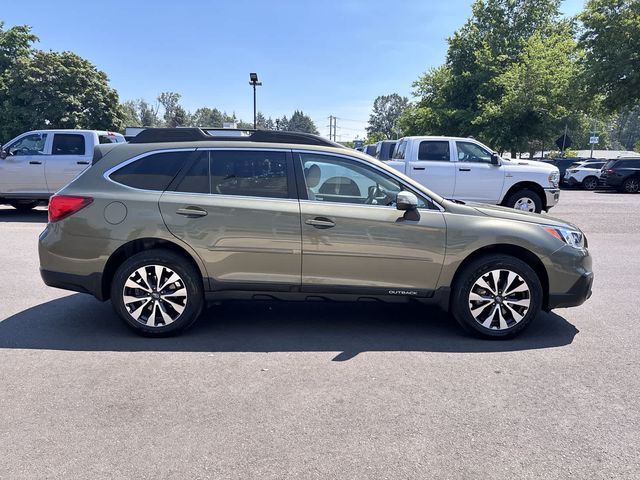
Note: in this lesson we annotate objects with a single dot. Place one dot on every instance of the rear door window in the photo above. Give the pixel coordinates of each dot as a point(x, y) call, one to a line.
point(68, 144)
point(197, 178)
point(152, 172)
point(250, 173)
point(435, 151)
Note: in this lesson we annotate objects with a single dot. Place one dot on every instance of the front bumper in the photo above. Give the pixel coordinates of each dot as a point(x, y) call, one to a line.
point(577, 294)
point(552, 196)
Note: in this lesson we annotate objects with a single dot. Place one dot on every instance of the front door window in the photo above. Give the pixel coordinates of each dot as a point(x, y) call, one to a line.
point(33, 144)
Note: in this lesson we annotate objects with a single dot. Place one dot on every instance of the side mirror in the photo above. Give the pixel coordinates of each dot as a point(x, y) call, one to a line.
point(406, 201)
point(3, 154)
point(495, 159)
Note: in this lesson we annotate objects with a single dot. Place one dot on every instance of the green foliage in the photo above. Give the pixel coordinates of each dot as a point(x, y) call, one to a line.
point(56, 90)
point(375, 137)
point(51, 89)
point(299, 122)
point(611, 40)
point(15, 43)
point(387, 110)
point(509, 78)
point(636, 148)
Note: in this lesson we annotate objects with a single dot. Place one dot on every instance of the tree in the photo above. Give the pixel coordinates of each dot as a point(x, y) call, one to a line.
point(15, 43)
point(207, 117)
point(387, 110)
point(537, 94)
point(56, 90)
point(454, 96)
point(612, 62)
point(130, 116)
point(299, 122)
point(174, 114)
point(148, 114)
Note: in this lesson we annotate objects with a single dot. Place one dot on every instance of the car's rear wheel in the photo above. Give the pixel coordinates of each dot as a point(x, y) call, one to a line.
point(157, 292)
point(496, 296)
point(525, 200)
point(24, 206)
point(590, 183)
point(631, 185)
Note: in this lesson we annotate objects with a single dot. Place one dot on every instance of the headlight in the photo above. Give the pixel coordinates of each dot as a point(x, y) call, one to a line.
point(572, 237)
point(554, 178)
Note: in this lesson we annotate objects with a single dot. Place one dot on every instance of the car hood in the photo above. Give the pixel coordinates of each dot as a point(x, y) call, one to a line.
point(512, 214)
point(517, 164)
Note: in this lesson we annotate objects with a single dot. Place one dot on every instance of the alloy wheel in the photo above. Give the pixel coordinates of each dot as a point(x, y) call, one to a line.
point(525, 204)
point(590, 183)
point(499, 299)
point(632, 185)
point(154, 295)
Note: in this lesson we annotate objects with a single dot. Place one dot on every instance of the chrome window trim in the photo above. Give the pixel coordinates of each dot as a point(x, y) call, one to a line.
point(229, 197)
point(375, 167)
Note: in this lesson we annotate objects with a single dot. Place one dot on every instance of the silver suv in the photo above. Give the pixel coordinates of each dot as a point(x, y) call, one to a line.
point(180, 216)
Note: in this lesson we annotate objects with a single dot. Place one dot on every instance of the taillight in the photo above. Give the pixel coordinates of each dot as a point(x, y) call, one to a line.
point(61, 206)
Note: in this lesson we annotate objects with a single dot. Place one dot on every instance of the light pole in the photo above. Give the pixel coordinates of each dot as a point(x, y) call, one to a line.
point(253, 80)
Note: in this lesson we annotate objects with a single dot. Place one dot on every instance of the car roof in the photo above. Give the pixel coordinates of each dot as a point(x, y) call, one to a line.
point(74, 130)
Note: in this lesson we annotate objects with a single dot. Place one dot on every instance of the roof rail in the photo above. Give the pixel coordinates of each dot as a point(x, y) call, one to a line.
point(161, 135)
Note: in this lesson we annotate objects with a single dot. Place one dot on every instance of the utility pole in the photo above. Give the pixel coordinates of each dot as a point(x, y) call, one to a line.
point(335, 128)
point(332, 127)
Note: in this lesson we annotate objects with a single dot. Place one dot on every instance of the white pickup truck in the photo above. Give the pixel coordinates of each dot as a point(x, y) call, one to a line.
point(465, 169)
point(36, 164)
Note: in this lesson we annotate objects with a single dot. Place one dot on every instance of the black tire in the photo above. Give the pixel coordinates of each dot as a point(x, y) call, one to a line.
point(590, 183)
point(461, 304)
point(24, 206)
point(519, 195)
point(189, 278)
point(631, 185)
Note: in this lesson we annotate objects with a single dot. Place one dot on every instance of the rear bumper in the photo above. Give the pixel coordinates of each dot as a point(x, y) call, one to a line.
point(552, 196)
point(577, 294)
point(91, 284)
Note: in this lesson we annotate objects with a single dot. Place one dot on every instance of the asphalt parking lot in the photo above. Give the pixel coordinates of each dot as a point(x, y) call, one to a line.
point(294, 390)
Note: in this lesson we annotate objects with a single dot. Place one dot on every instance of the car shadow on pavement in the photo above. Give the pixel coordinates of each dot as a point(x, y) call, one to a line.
point(13, 215)
point(81, 323)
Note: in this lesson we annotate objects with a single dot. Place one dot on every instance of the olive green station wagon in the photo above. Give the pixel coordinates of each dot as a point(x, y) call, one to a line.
point(177, 217)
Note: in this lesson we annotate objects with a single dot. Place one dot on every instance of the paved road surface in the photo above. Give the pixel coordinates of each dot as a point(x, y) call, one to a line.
point(277, 390)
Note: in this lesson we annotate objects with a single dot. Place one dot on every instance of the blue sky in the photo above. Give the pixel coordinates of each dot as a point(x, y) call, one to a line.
point(326, 58)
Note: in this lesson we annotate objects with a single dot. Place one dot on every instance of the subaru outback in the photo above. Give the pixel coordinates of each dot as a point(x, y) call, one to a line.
point(179, 217)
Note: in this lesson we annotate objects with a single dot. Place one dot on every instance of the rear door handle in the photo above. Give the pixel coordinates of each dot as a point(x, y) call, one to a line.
point(418, 168)
point(464, 169)
point(192, 212)
point(82, 162)
point(320, 222)
point(35, 162)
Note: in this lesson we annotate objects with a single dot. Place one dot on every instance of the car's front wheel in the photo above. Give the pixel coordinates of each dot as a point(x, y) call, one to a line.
point(157, 292)
point(525, 200)
point(496, 296)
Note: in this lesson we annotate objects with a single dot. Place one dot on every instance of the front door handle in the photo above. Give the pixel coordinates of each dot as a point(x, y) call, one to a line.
point(320, 222)
point(35, 162)
point(464, 169)
point(418, 168)
point(82, 162)
point(192, 212)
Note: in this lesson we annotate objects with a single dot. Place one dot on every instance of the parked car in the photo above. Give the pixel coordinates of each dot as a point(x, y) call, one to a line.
point(159, 226)
point(584, 174)
point(564, 163)
point(465, 169)
point(384, 149)
point(38, 163)
point(622, 174)
point(369, 149)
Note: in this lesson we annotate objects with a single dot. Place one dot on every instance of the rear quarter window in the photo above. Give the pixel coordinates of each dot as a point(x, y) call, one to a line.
point(152, 172)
